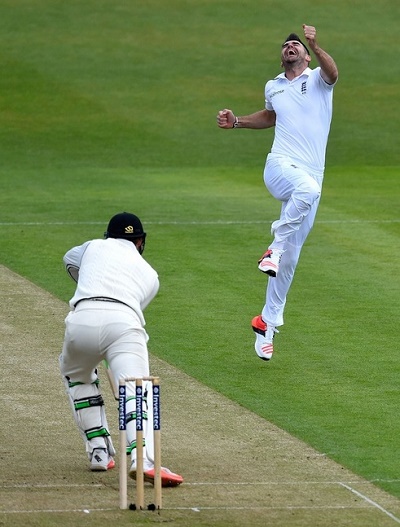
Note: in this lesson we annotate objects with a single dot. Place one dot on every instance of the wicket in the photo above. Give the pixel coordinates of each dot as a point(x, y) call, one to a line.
point(123, 477)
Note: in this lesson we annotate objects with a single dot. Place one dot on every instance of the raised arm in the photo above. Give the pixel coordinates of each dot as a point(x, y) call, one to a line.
point(258, 120)
point(329, 71)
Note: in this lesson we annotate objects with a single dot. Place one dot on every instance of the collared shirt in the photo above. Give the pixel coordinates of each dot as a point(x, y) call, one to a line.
point(303, 109)
point(112, 268)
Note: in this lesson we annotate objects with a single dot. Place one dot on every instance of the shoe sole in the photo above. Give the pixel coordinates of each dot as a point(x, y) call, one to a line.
point(269, 272)
point(258, 330)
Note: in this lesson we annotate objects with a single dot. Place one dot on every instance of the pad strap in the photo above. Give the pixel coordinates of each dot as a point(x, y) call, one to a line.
point(88, 402)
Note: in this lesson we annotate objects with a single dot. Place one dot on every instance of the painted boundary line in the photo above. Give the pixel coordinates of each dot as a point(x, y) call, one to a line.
point(217, 222)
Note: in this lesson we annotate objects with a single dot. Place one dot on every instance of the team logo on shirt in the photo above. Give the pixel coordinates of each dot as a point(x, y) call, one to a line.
point(129, 229)
point(304, 87)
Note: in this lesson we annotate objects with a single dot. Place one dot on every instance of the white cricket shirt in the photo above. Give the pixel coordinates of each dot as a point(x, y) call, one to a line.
point(303, 109)
point(113, 268)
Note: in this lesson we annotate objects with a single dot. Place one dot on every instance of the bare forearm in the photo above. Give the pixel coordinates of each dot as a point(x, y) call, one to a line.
point(257, 120)
point(327, 64)
point(329, 71)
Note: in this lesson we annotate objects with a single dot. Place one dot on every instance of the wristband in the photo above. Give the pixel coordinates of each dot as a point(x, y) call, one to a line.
point(236, 123)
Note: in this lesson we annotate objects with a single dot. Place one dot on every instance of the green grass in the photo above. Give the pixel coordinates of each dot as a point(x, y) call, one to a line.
point(109, 106)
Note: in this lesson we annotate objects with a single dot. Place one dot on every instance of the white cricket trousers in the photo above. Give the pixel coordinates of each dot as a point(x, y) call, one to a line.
point(95, 331)
point(103, 330)
point(299, 190)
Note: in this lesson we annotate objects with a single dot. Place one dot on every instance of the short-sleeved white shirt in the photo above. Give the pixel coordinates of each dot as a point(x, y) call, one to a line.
point(303, 109)
point(113, 268)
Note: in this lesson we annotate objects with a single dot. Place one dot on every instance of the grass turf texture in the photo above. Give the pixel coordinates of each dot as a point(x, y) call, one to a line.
point(107, 106)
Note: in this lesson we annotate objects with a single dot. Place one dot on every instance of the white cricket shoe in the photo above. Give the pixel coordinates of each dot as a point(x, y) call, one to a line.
point(264, 338)
point(101, 460)
point(269, 262)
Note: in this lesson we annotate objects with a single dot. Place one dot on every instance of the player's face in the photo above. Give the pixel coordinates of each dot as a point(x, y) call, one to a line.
point(293, 51)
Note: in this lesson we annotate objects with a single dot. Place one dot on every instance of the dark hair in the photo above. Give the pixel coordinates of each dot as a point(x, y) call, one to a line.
point(295, 37)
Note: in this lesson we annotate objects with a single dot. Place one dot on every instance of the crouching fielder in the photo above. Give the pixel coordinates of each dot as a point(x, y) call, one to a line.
point(106, 322)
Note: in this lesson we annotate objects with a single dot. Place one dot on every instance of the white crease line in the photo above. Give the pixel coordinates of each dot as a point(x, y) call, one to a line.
point(197, 509)
point(200, 508)
point(50, 486)
point(41, 511)
point(255, 483)
point(316, 482)
point(371, 502)
point(265, 507)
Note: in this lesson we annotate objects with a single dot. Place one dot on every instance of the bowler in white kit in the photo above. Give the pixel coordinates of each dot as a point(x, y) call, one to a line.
point(298, 103)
